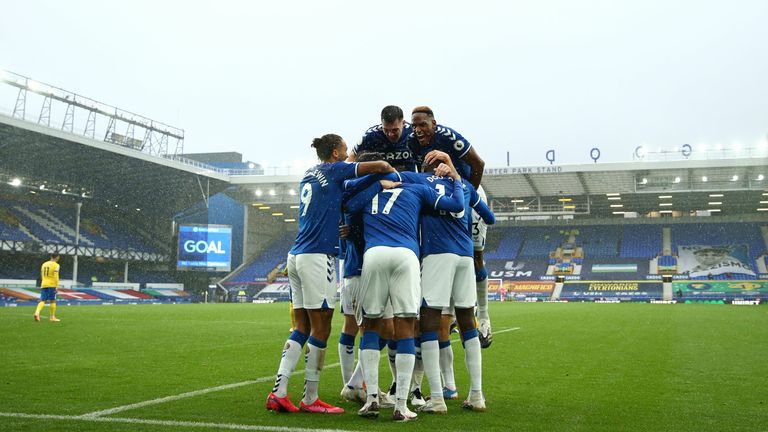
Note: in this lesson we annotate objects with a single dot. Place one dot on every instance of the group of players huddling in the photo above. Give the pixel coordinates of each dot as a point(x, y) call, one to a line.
point(412, 234)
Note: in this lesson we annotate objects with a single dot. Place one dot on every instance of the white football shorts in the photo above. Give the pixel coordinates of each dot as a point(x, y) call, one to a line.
point(390, 274)
point(313, 280)
point(448, 279)
point(479, 227)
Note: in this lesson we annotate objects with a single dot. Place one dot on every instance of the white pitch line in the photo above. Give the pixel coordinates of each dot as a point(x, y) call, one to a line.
point(97, 414)
point(506, 330)
point(492, 332)
point(190, 424)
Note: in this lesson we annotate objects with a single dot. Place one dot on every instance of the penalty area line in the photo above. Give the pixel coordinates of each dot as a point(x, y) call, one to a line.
point(110, 411)
point(187, 424)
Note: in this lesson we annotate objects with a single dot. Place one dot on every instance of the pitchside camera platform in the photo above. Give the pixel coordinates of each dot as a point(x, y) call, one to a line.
point(205, 247)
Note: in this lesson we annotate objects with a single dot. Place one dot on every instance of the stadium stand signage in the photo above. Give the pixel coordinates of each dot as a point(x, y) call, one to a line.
point(629, 289)
point(554, 169)
point(698, 288)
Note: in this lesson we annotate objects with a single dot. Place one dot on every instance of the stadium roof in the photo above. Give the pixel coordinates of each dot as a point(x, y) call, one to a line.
point(127, 177)
point(724, 186)
point(122, 176)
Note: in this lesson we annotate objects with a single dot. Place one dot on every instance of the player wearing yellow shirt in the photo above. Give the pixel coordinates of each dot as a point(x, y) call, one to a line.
point(49, 274)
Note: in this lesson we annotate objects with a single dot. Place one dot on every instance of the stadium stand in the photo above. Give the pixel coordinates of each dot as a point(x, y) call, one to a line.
point(640, 241)
point(267, 261)
point(505, 243)
point(599, 240)
point(540, 241)
point(50, 222)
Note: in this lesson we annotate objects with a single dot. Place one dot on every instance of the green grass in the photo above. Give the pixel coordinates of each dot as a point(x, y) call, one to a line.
point(571, 367)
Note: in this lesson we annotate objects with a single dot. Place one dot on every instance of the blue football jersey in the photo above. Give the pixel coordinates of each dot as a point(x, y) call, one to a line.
point(397, 154)
point(354, 245)
point(443, 232)
point(391, 218)
point(320, 207)
point(446, 140)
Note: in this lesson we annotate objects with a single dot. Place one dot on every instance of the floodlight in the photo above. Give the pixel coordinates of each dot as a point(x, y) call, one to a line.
point(735, 177)
point(258, 192)
point(760, 177)
point(677, 179)
point(704, 178)
point(16, 182)
point(272, 192)
point(251, 165)
point(292, 192)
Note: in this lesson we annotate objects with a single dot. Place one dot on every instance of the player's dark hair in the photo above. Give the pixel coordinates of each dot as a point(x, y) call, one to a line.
point(428, 168)
point(325, 145)
point(424, 110)
point(54, 255)
point(391, 113)
point(370, 156)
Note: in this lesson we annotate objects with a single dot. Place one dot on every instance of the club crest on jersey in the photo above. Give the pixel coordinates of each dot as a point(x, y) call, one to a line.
point(458, 145)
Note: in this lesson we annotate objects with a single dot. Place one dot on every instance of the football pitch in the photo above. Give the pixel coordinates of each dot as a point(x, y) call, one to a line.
point(198, 367)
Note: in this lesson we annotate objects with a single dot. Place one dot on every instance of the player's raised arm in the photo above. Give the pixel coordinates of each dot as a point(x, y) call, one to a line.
point(484, 212)
point(477, 164)
point(353, 186)
point(374, 167)
point(482, 209)
point(453, 203)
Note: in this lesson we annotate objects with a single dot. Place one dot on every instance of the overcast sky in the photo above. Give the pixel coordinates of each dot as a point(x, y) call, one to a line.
point(264, 78)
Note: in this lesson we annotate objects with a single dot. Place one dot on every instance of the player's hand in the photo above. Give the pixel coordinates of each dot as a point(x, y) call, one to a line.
point(445, 170)
point(389, 184)
point(344, 231)
point(437, 156)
